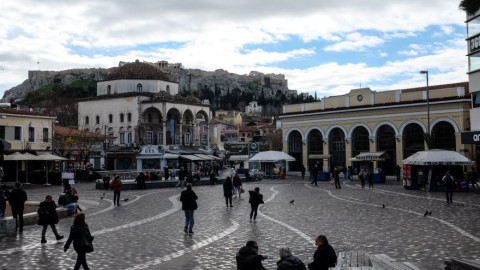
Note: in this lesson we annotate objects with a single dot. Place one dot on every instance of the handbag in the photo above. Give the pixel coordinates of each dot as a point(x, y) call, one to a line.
point(87, 244)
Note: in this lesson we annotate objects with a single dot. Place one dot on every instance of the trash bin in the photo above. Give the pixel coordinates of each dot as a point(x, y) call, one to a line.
point(464, 186)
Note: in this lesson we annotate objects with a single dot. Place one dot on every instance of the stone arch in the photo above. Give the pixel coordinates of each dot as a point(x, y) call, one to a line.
point(448, 120)
point(285, 137)
point(295, 149)
point(444, 135)
point(354, 126)
point(383, 123)
point(313, 128)
point(330, 128)
point(408, 122)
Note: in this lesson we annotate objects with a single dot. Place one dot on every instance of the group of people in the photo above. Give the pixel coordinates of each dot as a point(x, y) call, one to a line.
point(324, 257)
point(364, 176)
point(16, 199)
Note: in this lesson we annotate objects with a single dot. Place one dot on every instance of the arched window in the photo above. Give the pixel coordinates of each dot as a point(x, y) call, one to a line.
point(97, 120)
point(122, 116)
point(129, 117)
point(168, 89)
point(413, 140)
point(360, 141)
point(110, 118)
point(336, 146)
point(444, 135)
point(295, 150)
point(139, 88)
point(87, 120)
point(386, 143)
point(109, 89)
point(150, 118)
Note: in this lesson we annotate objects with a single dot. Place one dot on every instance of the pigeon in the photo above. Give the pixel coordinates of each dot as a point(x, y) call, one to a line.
point(427, 213)
point(101, 198)
point(383, 205)
point(126, 199)
point(292, 201)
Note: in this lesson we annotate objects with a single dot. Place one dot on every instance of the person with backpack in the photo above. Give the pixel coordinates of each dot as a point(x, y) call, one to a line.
point(237, 185)
point(47, 215)
point(117, 188)
point(256, 198)
point(448, 183)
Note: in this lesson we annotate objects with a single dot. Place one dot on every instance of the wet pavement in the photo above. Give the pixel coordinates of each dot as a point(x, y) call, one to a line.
point(146, 231)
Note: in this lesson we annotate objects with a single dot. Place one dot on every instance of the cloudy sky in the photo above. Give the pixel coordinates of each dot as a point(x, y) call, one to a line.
point(327, 47)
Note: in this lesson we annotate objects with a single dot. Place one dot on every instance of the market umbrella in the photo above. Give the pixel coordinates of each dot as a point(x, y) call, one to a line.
point(437, 157)
point(19, 157)
point(271, 156)
point(46, 157)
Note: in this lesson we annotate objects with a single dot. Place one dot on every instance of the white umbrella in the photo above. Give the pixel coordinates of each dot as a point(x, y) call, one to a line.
point(437, 157)
point(271, 156)
point(22, 157)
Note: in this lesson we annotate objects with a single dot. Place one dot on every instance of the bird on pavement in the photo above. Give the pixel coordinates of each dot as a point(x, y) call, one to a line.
point(427, 213)
point(292, 201)
point(126, 199)
point(383, 205)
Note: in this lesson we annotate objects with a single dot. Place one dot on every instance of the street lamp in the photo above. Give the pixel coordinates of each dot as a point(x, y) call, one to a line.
point(428, 101)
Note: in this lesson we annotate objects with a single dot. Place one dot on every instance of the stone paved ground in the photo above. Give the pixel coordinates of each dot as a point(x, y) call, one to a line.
point(146, 232)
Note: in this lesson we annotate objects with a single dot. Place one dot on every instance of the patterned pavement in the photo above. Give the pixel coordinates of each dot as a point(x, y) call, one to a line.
point(146, 232)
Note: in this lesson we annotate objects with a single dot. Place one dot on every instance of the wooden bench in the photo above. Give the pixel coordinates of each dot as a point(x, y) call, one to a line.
point(357, 260)
point(383, 261)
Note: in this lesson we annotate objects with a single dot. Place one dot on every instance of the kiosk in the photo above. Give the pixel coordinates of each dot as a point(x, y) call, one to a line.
point(367, 157)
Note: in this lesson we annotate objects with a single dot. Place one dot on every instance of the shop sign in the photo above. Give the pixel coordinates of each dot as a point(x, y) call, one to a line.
point(471, 137)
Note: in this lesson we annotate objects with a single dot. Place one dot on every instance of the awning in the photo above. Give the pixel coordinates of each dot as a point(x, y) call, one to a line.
point(437, 157)
point(150, 156)
point(49, 156)
point(215, 158)
point(371, 156)
point(191, 157)
point(319, 156)
point(205, 157)
point(239, 157)
point(170, 156)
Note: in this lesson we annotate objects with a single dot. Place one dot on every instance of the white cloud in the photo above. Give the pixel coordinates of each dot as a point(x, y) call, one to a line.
point(355, 42)
point(408, 53)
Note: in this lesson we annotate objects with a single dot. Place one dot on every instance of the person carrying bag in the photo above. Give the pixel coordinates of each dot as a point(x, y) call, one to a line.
point(82, 240)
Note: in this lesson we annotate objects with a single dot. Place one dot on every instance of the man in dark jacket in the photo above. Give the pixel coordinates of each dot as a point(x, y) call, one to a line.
point(189, 205)
point(324, 256)
point(288, 261)
point(17, 199)
point(314, 175)
point(248, 258)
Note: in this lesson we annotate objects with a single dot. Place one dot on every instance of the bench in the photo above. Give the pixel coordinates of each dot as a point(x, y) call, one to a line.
point(7, 224)
point(383, 261)
point(456, 264)
point(358, 260)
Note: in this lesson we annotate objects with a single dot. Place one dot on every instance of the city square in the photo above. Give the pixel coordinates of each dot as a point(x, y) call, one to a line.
point(146, 231)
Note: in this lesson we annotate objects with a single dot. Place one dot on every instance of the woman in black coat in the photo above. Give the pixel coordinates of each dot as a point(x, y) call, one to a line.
point(255, 200)
point(324, 257)
point(189, 205)
point(78, 231)
point(228, 190)
point(47, 215)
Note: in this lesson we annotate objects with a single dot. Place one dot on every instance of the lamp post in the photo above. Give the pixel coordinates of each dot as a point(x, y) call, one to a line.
point(428, 101)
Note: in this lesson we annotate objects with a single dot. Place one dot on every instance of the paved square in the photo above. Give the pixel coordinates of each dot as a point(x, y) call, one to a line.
point(146, 232)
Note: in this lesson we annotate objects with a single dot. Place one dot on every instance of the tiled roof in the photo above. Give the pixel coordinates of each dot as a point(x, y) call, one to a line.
point(24, 112)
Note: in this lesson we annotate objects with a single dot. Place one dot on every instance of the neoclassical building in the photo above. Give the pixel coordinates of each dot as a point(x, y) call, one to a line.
point(338, 128)
point(138, 105)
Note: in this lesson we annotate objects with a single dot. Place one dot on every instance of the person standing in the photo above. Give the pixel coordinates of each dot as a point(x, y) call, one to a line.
point(248, 258)
point(288, 261)
point(181, 177)
point(141, 178)
point(3, 203)
point(17, 199)
point(397, 171)
point(237, 185)
point(166, 173)
point(303, 170)
point(106, 182)
point(361, 177)
point(255, 200)
point(189, 205)
point(47, 215)
point(349, 172)
point(324, 257)
point(448, 183)
point(314, 175)
point(117, 188)
point(78, 232)
point(228, 190)
point(336, 177)
point(370, 178)
point(473, 177)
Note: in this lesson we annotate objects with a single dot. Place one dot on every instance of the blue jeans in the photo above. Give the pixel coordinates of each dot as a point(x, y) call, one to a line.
point(2, 213)
point(72, 207)
point(189, 221)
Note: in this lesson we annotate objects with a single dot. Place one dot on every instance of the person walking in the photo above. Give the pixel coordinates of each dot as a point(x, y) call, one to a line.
point(397, 172)
point(288, 261)
point(166, 173)
point(106, 182)
point(17, 199)
point(448, 183)
point(181, 177)
point(314, 176)
point(117, 188)
point(228, 190)
point(370, 178)
point(237, 185)
point(324, 257)
point(303, 170)
point(189, 205)
point(248, 258)
point(47, 215)
point(361, 177)
point(255, 200)
point(79, 234)
point(336, 177)
point(473, 178)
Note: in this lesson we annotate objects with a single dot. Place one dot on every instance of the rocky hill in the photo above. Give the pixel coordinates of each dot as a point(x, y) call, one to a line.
point(220, 82)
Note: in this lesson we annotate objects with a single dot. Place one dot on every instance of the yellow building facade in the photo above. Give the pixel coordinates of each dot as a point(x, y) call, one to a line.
point(338, 128)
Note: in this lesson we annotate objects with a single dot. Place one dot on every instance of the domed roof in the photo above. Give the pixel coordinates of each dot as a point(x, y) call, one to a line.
point(137, 70)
